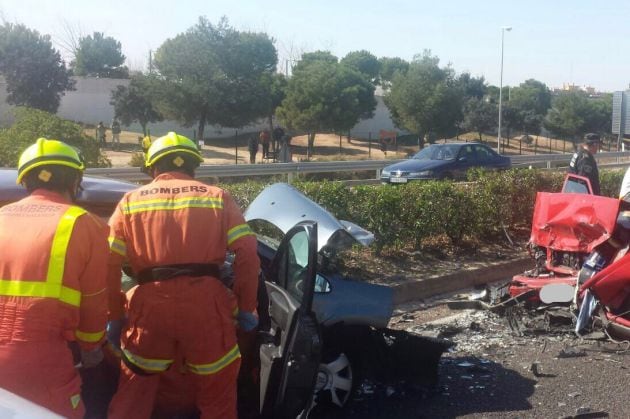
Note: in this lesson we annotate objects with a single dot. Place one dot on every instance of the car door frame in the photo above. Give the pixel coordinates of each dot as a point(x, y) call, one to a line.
point(291, 353)
point(461, 167)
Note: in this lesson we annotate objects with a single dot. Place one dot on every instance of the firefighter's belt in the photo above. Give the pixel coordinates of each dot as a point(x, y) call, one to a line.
point(165, 272)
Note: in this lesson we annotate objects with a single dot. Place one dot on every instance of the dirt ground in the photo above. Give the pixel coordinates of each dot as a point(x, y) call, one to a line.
point(224, 151)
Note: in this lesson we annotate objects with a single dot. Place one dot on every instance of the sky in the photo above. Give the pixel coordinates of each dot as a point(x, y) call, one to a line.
point(583, 42)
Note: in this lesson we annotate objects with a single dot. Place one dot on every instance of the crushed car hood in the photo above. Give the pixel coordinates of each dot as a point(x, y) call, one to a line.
point(573, 222)
point(284, 206)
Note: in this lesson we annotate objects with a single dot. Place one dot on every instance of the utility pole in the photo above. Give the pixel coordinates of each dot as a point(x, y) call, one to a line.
point(503, 29)
point(150, 62)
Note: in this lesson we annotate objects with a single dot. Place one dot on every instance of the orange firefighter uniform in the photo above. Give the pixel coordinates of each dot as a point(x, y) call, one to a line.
point(177, 220)
point(53, 268)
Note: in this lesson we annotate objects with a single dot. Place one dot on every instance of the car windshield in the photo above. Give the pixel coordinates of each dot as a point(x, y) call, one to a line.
point(438, 152)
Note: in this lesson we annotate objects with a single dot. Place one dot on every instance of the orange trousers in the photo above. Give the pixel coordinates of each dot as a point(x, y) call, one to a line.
point(188, 317)
point(215, 395)
point(44, 373)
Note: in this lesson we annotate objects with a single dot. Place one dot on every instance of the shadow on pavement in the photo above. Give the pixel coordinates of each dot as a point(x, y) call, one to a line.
point(467, 386)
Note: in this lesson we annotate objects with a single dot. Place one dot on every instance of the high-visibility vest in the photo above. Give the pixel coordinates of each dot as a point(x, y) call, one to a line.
point(52, 286)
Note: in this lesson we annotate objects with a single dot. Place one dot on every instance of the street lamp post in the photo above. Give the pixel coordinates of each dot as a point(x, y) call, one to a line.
point(503, 29)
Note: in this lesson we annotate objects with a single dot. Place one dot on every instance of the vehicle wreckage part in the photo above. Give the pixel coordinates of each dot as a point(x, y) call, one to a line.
point(268, 206)
point(557, 293)
point(522, 283)
point(335, 378)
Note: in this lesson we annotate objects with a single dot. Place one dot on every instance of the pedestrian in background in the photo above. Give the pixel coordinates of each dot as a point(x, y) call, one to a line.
point(252, 145)
point(276, 136)
point(115, 133)
point(583, 161)
point(53, 268)
point(100, 134)
point(264, 140)
point(285, 155)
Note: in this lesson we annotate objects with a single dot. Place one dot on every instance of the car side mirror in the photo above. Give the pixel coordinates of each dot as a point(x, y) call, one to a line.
point(463, 159)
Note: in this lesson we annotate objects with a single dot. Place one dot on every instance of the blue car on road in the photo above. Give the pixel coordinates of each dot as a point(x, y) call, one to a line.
point(445, 161)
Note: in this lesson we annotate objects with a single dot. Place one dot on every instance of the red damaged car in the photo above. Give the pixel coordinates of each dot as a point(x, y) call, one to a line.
point(569, 229)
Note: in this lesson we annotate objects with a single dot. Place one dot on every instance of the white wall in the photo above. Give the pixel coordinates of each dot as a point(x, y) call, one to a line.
point(89, 104)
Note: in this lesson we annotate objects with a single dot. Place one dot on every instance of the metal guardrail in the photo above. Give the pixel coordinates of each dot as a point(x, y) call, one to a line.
point(554, 160)
point(549, 161)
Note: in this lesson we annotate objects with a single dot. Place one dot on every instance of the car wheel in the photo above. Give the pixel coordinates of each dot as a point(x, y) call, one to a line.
point(335, 382)
point(447, 176)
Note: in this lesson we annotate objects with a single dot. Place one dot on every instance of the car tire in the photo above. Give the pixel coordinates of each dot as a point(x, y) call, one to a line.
point(336, 380)
point(447, 176)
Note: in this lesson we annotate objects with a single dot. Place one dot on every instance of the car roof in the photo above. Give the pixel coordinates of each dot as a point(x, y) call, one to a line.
point(98, 195)
point(460, 143)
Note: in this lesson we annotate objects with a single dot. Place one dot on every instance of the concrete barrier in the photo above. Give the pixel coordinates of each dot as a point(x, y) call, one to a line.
point(429, 287)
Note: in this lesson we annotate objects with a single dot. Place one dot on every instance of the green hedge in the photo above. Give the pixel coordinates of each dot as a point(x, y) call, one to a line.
point(406, 215)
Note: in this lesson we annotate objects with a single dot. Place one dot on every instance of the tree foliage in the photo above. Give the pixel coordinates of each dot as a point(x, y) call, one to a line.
point(472, 87)
point(524, 106)
point(480, 116)
point(213, 74)
point(389, 66)
point(134, 103)
point(573, 114)
point(31, 124)
point(275, 86)
point(326, 96)
point(364, 62)
point(531, 95)
point(34, 71)
point(315, 57)
point(98, 55)
point(426, 98)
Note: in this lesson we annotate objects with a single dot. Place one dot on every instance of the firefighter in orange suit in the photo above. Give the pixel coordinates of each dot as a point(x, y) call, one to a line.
point(53, 267)
point(174, 233)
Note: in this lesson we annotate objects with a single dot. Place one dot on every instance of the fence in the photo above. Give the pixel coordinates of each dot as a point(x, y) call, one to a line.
point(548, 161)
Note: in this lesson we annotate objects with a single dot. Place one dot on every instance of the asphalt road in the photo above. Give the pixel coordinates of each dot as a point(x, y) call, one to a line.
point(492, 373)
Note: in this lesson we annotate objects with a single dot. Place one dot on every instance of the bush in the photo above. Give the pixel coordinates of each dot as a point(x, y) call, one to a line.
point(137, 159)
point(31, 124)
point(244, 192)
point(407, 215)
point(610, 182)
point(334, 196)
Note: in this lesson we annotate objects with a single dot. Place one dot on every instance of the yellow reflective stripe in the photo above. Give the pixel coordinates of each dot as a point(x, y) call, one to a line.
point(40, 289)
point(52, 287)
point(70, 296)
point(57, 261)
point(215, 367)
point(74, 400)
point(237, 232)
point(172, 204)
point(117, 246)
point(89, 337)
point(156, 365)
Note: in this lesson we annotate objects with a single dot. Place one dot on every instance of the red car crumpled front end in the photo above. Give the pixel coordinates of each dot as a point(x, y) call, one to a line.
point(566, 227)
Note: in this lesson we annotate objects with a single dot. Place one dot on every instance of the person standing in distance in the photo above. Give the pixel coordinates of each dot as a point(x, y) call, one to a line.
point(53, 282)
point(583, 161)
point(174, 233)
point(116, 130)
